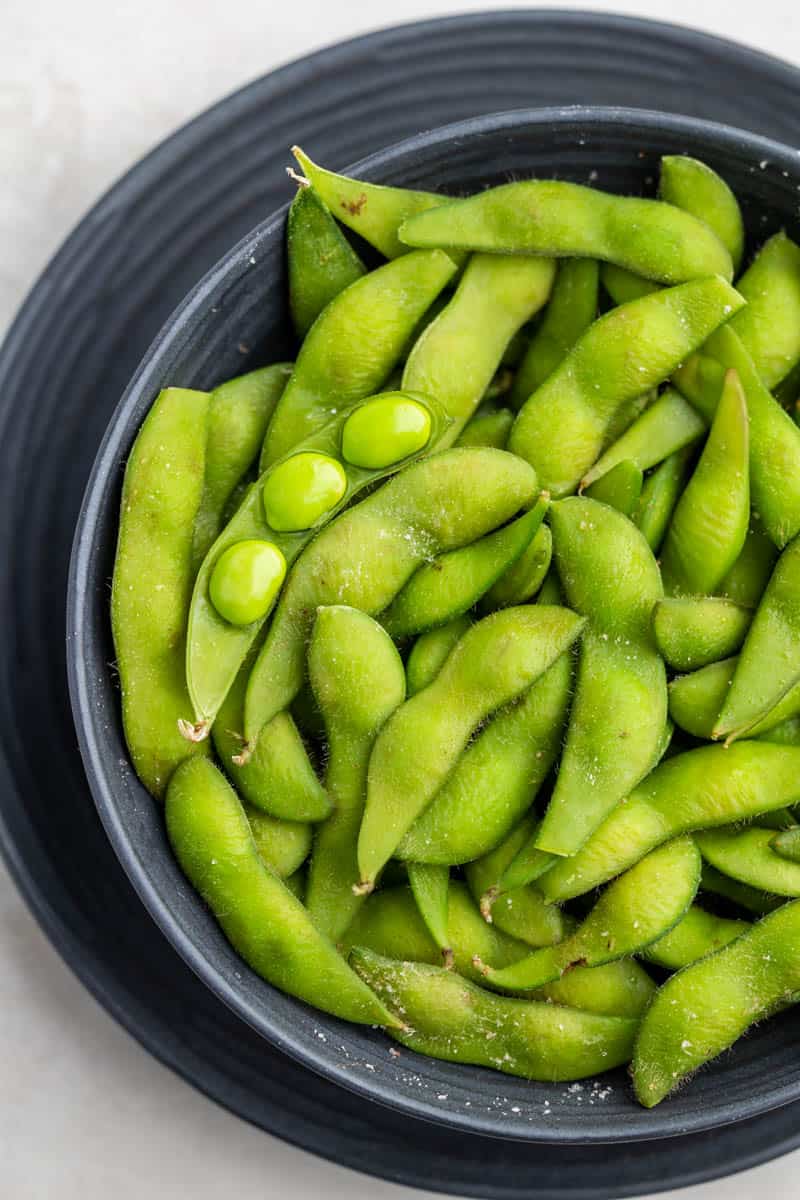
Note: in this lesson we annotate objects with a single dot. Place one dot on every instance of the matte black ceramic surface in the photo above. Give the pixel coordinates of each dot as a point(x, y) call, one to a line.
point(62, 368)
point(237, 318)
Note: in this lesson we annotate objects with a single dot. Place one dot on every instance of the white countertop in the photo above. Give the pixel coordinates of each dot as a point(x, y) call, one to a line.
point(86, 87)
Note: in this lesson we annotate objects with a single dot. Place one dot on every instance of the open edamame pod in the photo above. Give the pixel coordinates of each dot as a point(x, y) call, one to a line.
point(430, 650)
point(691, 633)
point(216, 648)
point(697, 934)
point(747, 855)
point(660, 493)
point(457, 355)
point(496, 661)
point(705, 1008)
point(358, 680)
point(769, 326)
point(620, 708)
point(769, 664)
point(321, 262)
point(452, 584)
point(497, 777)
point(696, 790)
point(452, 1019)
point(365, 557)
point(710, 522)
point(567, 220)
point(622, 355)
point(238, 414)
point(430, 885)
point(152, 582)
point(639, 907)
point(260, 917)
point(570, 311)
point(669, 424)
point(523, 579)
point(352, 347)
point(620, 488)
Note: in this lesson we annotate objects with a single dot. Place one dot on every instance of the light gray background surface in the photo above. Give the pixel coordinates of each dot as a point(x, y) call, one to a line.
point(86, 87)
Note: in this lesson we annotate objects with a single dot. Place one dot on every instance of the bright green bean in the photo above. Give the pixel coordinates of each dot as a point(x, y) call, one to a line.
point(570, 311)
point(692, 633)
point(245, 581)
point(697, 934)
point(386, 431)
point(305, 487)
point(321, 262)
point(669, 424)
point(430, 650)
point(747, 856)
point(520, 583)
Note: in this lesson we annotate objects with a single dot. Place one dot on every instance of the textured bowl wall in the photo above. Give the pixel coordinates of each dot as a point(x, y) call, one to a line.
point(236, 319)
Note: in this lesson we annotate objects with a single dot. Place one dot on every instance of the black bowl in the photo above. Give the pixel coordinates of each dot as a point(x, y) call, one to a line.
point(235, 319)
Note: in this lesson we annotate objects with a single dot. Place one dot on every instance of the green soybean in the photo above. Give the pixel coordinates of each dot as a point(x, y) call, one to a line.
point(691, 633)
point(458, 353)
point(749, 575)
point(705, 1008)
point(521, 581)
point(769, 326)
point(430, 886)
point(358, 680)
point(283, 845)
point(449, 1018)
point(385, 431)
point(623, 285)
point(710, 522)
point(697, 789)
point(264, 922)
point(430, 650)
point(567, 220)
point(747, 856)
point(452, 583)
point(620, 707)
point(696, 699)
point(302, 489)
point(620, 487)
point(489, 427)
point(696, 188)
point(245, 581)
point(321, 262)
point(562, 427)
point(152, 583)
point(646, 902)
point(495, 662)
point(669, 424)
point(749, 899)
point(697, 934)
point(366, 556)
point(660, 493)
point(570, 311)
point(353, 346)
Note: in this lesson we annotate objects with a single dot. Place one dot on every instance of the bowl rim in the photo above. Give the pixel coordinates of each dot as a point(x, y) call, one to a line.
point(107, 468)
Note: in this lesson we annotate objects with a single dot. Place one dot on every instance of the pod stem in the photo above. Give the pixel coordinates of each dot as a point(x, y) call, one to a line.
point(194, 731)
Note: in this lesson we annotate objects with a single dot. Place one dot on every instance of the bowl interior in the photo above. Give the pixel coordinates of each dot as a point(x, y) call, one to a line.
point(237, 319)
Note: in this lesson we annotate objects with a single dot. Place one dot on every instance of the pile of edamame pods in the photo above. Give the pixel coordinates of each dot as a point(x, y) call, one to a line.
point(490, 600)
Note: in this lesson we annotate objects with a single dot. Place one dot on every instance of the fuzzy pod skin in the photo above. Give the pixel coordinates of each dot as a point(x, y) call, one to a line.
point(660, 493)
point(452, 1019)
point(430, 651)
point(430, 886)
point(749, 575)
point(691, 633)
point(152, 583)
point(710, 522)
point(570, 311)
point(747, 855)
point(748, 899)
point(698, 789)
point(769, 326)
point(283, 845)
point(457, 355)
point(353, 346)
point(495, 662)
point(366, 555)
point(619, 488)
point(358, 680)
point(567, 220)
point(497, 777)
point(521, 581)
point(321, 262)
point(261, 918)
point(695, 701)
point(619, 712)
point(697, 934)
point(666, 426)
point(698, 189)
point(623, 285)
point(705, 1008)
point(621, 356)
point(642, 905)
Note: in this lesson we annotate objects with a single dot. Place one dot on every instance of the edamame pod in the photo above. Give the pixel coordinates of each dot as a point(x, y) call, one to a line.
point(457, 355)
point(669, 424)
point(570, 311)
point(769, 326)
point(567, 220)
point(452, 1019)
point(620, 707)
point(562, 427)
point(660, 493)
point(366, 556)
point(283, 845)
point(619, 488)
point(358, 680)
point(487, 428)
point(641, 906)
point(705, 1008)
point(769, 665)
point(695, 790)
point(526, 866)
point(429, 652)
point(695, 701)
point(691, 633)
point(452, 583)
point(216, 648)
point(623, 285)
point(495, 662)
point(352, 347)
point(697, 189)
point(152, 583)
point(697, 934)
point(749, 899)
point(787, 844)
point(321, 262)
point(710, 522)
point(238, 414)
point(520, 583)
point(430, 885)
point(496, 778)
point(263, 921)
point(747, 856)
point(749, 575)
